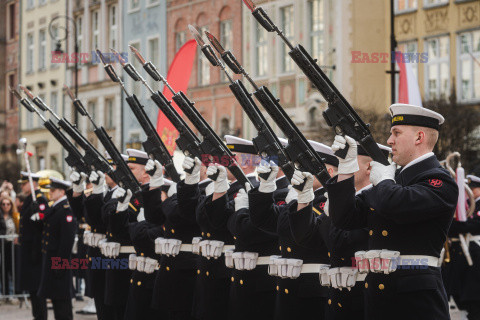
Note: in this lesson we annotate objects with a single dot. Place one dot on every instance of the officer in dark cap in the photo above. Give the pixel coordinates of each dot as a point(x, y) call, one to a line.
point(60, 226)
point(407, 211)
point(295, 267)
point(31, 225)
point(461, 278)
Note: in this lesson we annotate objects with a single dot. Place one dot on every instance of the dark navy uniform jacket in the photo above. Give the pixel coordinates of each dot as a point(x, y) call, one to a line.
point(30, 238)
point(213, 277)
point(252, 293)
point(303, 297)
point(411, 215)
point(60, 227)
point(174, 282)
point(311, 229)
point(461, 280)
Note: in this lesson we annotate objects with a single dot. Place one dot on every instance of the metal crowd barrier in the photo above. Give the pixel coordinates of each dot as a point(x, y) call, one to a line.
point(7, 241)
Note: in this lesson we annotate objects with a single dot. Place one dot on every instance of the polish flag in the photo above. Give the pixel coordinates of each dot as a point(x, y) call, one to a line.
point(408, 90)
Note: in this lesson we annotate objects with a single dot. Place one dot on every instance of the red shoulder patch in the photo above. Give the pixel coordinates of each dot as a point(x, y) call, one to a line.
point(280, 203)
point(69, 218)
point(41, 215)
point(437, 183)
point(136, 202)
point(322, 205)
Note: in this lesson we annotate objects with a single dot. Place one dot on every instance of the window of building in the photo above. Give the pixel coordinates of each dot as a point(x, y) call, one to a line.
point(112, 17)
point(224, 127)
point(30, 52)
point(437, 70)
point(469, 66)
point(95, 30)
point(133, 5)
point(154, 55)
point(92, 109)
point(42, 2)
point(317, 30)
point(42, 50)
point(432, 3)
point(261, 50)
point(312, 117)
point(203, 64)
point(405, 5)
point(12, 21)
point(287, 25)
point(30, 4)
point(151, 3)
point(226, 38)
point(180, 38)
point(109, 114)
point(54, 102)
point(80, 32)
point(135, 87)
point(11, 100)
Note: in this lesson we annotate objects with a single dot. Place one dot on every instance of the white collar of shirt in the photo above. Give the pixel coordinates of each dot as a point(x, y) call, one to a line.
point(363, 189)
point(477, 199)
point(113, 189)
point(59, 200)
point(419, 159)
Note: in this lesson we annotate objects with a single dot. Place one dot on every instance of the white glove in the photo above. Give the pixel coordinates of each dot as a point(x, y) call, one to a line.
point(241, 200)
point(379, 172)
point(209, 189)
point(326, 207)
point(99, 187)
point(120, 193)
point(156, 179)
point(291, 195)
point(141, 215)
point(267, 185)
point(172, 190)
point(306, 194)
point(221, 184)
point(348, 165)
point(189, 163)
point(78, 187)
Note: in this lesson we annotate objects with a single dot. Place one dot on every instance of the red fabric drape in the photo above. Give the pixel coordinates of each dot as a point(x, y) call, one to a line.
point(178, 77)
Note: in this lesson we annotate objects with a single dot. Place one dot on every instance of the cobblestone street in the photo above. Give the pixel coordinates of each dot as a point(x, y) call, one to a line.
point(21, 312)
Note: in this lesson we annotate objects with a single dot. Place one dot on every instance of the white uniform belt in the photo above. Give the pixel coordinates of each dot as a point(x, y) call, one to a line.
point(262, 261)
point(83, 226)
point(311, 267)
point(406, 260)
point(228, 247)
point(127, 249)
point(186, 248)
point(361, 277)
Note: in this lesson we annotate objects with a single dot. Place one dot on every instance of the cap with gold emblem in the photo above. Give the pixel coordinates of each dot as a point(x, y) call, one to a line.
point(24, 177)
point(58, 184)
point(137, 156)
point(110, 160)
point(410, 115)
point(236, 144)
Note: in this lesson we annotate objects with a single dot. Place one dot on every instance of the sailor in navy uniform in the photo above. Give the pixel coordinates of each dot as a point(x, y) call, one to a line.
point(310, 229)
point(252, 290)
point(31, 225)
point(112, 284)
point(298, 295)
point(175, 280)
point(408, 213)
point(60, 226)
point(128, 224)
point(213, 277)
point(461, 279)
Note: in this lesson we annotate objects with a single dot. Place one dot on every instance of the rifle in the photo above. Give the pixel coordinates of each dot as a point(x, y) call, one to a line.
point(266, 142)
point(22, 144)
point(298, 151)
point(154, 145)
point(187, 141)
point(122, 175)
point(339, 114)
point(213, 147)
point(74, 158)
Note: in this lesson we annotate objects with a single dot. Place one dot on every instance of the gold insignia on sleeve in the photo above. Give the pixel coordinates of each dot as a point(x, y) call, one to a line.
point(133, 207)
point(317, 211)
point(66, 206)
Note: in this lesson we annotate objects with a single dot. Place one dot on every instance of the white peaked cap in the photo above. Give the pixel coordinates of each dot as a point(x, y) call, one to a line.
point(407, 114)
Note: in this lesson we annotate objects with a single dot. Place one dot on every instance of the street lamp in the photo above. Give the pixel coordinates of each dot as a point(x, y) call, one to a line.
point(52, 30)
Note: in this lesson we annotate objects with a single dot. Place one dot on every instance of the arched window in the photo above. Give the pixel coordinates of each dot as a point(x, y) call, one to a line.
point(312, 117)
point(224, 127)
point(180, 33)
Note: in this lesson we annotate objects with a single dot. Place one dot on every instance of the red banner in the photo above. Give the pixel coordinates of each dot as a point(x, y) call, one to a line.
point(178, 77)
